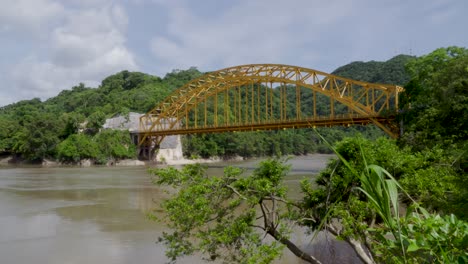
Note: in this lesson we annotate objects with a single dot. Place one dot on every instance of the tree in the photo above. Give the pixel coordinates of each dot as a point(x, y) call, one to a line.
point(77, 147)
point(218, 215)
point(435, 101)
point(8, 128)
point(391, 71)
point(95, 122)
point(114, 144)
point(435, 115)
point(38, 137)
point(72, 123)
point(178, 78)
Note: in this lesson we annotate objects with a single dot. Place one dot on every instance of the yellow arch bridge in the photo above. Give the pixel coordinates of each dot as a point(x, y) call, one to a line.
point(266, 97)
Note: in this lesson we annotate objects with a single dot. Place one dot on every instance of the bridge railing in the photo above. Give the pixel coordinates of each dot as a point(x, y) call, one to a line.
point(319, 121)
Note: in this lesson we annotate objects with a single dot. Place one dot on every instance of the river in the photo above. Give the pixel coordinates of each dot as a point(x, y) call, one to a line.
point(98, 214)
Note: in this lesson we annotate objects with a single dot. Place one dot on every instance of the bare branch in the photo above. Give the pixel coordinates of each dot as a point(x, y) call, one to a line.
point(360, 249)
point(292, 247)
point(236, 192)
point(263, 212)
point(272, 197)
point(260, 227)
point(308, 219)
point(273, 211)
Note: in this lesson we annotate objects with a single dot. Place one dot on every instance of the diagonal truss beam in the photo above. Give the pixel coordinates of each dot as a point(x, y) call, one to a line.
point(369, 100)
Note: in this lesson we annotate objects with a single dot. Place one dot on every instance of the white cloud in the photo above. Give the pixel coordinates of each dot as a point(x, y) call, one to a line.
point(317, 34)
point(88, 36)
point(250, 32)
point(28, 14)
point(89, 3)
point(89, 46)
point(120, 17)
point(50, 45)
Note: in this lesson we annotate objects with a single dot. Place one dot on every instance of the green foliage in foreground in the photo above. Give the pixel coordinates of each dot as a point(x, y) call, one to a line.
point(425, 238)
point(427, 175)
point(418, 237)
point(225, 217)
point(218, 215)
point(368, 215)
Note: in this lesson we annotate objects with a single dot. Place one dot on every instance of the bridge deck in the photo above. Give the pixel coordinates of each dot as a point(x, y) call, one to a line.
point(272, 125)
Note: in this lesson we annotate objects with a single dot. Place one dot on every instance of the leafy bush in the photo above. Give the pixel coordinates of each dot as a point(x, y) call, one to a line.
point(77, 147)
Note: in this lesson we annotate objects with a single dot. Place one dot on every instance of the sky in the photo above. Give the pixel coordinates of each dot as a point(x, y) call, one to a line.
point(47, 46)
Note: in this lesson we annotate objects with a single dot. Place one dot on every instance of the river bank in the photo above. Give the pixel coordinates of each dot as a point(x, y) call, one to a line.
point(12, 160)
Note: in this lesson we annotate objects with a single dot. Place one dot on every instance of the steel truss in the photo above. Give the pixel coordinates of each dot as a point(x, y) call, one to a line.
point(269, 96)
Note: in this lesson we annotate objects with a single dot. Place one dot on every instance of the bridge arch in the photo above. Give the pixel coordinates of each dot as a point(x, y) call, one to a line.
point(245, 85)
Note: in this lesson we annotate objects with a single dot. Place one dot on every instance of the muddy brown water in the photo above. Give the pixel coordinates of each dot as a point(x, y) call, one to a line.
point(98, 215)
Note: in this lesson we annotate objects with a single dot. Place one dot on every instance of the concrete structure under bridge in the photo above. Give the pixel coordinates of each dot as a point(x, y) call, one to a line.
point(169, 149)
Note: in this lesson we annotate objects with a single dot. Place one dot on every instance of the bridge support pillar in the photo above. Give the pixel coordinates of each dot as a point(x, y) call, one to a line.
point(147, 150)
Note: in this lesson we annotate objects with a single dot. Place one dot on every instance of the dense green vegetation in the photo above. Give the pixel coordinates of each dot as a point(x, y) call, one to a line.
point(392, 201)
point(228, 217)
point(269, 143)
point(435, 100)
point(391, 71)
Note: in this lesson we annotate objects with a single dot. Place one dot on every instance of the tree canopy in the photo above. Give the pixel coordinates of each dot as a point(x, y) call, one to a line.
point(435, 101)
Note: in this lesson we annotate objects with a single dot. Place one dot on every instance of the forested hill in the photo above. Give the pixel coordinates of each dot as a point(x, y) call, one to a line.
point(391, 71)
point(122, 92)
point(35, 130)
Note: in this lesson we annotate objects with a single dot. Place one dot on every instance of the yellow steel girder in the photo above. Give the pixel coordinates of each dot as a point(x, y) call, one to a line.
point(368, 100)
